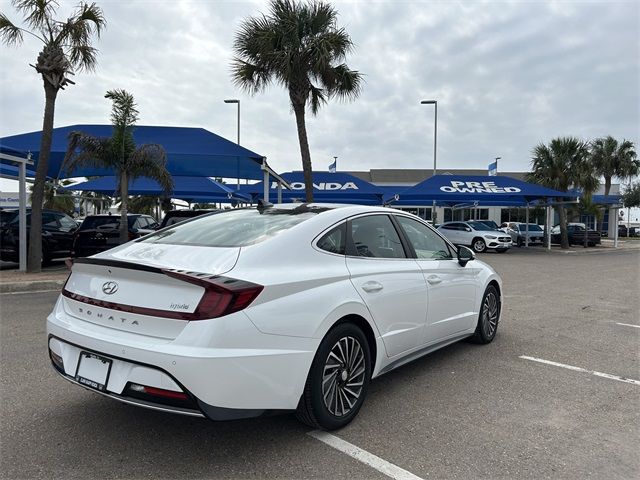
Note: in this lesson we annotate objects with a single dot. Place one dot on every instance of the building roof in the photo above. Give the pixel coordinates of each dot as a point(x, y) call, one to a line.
point(409, 177)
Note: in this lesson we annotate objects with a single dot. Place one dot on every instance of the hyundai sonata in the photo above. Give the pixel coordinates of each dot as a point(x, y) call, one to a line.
point(290, 307)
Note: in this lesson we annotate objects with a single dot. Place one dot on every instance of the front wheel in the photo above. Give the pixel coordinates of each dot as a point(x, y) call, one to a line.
point(478, 245)
point(488, 317)
point(338, 379)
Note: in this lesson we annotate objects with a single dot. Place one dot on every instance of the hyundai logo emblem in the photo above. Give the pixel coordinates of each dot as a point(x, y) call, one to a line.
point(110, 288)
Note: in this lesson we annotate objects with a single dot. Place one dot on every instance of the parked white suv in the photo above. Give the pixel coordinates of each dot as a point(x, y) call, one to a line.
point(477, 235)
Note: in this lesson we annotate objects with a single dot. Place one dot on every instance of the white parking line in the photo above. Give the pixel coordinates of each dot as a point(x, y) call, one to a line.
point(389, 469)
point(627, 325)
point(583, 370)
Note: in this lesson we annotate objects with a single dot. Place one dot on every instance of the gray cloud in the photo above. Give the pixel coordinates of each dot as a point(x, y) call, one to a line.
point(506, 75)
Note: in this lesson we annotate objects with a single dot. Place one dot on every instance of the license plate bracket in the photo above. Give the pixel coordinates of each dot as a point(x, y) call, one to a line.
point(93, 370)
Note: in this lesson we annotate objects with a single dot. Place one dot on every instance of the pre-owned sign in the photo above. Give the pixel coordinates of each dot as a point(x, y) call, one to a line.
point(477, 187)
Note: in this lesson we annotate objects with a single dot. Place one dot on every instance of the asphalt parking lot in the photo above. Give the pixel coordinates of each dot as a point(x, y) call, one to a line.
point(467, 411)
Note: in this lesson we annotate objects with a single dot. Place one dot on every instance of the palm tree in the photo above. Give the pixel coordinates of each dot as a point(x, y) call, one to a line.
point(299, 46)
point(561, 165)
point(120, 153)
point(66, 47)
point(613, 159)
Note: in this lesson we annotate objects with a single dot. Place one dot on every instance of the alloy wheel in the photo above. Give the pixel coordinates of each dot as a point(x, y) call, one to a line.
point(343, 376)
point(490, 314)
point(479, 246)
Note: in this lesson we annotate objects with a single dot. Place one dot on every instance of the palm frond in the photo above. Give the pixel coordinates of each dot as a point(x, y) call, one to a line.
point(150, 160)
point(77, 32)
point(38, 14)
point(9, 33)
point(123, 112)
point(87, 151)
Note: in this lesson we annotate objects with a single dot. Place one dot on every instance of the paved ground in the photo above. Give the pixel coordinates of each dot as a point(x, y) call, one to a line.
point(467, 411)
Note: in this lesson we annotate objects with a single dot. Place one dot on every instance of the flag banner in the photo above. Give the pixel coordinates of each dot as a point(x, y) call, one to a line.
point(332, 167)
point(493, 169)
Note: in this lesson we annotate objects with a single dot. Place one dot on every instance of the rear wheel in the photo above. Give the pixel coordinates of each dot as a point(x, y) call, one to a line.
point(338, 379)
point(489, 316)
point(478, 245)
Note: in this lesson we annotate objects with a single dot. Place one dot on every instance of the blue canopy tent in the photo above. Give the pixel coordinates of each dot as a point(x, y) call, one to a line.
point(185, 188)
point(327, 187)
point(450, 190)
point(190, 151)
point(11, 172)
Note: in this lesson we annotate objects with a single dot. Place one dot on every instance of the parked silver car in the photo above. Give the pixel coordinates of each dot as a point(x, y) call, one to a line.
point(477, 235)
point(518, 233)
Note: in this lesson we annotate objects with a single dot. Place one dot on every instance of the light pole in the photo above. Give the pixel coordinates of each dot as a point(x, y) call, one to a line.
point(235, 100)
point(435, 143)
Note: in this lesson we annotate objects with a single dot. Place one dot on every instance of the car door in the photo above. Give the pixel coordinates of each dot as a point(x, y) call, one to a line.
point(452, 289)
point(390, 284)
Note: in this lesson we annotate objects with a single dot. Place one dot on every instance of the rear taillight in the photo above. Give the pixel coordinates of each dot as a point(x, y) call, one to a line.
point(222, 295)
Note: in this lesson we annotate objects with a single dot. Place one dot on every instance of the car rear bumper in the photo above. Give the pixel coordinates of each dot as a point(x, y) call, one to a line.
point(218, 382)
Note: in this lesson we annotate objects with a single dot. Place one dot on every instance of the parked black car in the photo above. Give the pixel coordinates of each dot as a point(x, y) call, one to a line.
point(175, 216)
point(576, 233)
point(102, 232)
point(57, 234)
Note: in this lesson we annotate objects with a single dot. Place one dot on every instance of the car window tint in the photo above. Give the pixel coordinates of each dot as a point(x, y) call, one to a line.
point(375, 236)
point(334, 240)
point(425, 242)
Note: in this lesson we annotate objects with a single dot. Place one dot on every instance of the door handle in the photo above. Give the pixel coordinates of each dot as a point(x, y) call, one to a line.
point(372, 287)
point(434, 279)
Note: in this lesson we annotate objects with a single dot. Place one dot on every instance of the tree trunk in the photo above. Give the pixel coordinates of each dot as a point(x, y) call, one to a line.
point(124, 200)
point(607, 185)
point(298, 109)
point(34, 257)
point(564, 234)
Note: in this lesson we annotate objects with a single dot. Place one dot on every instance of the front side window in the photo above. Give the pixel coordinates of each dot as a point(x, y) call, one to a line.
point(375, 236)
point(425, 242)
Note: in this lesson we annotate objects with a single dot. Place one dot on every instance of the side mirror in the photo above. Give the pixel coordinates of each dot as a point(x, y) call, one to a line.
point(465, 255)
point(467, 229)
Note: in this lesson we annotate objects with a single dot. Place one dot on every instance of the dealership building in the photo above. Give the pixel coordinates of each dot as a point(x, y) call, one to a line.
point(406, 178)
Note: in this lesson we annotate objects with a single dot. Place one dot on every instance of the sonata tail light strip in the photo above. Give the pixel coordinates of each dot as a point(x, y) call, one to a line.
point(222, 296)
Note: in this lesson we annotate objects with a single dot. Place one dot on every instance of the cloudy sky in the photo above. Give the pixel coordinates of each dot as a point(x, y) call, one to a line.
point(506, 76)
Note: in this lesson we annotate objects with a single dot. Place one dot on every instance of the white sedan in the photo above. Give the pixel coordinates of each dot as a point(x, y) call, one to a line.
point(288, 307)
point(477, 235)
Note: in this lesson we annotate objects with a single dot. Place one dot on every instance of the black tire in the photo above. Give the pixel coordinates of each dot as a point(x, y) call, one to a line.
point(520, 242)
point(312, 408)
point(478, 245)
point(487, 322)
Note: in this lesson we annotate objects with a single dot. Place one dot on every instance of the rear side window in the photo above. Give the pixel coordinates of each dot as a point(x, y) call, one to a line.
point(375, 236)
point(335, 240)
point(234, 228)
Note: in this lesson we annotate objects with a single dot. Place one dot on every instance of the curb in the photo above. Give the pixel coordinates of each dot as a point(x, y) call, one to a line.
point(19, 287)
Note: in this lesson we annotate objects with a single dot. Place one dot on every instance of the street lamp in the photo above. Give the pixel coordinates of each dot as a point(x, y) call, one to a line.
point(435, 143)
point(235, 100)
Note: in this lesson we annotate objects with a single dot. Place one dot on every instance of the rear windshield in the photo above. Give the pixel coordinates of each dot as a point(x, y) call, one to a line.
point(104, 223)
point(234, 228)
